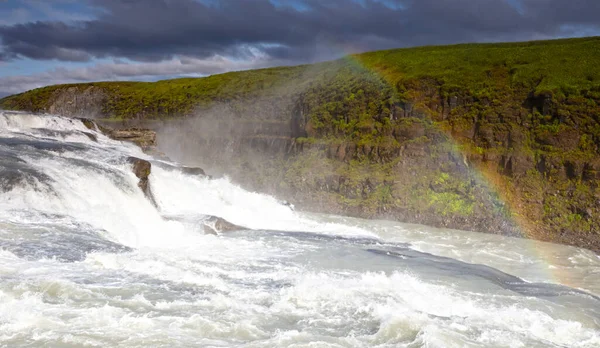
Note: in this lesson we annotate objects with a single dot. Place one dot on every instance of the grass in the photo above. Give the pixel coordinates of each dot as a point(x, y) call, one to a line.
point(564, 68)
point(559, 66)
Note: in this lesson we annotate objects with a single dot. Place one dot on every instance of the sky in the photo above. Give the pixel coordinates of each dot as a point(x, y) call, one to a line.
point(44, 42)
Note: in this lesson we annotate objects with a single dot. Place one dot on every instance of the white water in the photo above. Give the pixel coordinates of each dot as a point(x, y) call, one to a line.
point(87, 261)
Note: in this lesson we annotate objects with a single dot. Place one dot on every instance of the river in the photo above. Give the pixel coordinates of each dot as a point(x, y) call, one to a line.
point(87, 261)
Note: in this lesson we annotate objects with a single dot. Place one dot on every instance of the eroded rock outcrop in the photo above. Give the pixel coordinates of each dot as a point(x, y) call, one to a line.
point(142, 169)
point(144, 138)
point(75, 101)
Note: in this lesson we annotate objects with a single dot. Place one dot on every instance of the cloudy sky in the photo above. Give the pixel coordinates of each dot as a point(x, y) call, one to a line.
point(58, 41)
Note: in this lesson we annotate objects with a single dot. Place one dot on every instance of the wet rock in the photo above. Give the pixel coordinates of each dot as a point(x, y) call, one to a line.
point(142, 170)
point(91, 136)
point(144, 138)
point(216, 225)
point(193, 171)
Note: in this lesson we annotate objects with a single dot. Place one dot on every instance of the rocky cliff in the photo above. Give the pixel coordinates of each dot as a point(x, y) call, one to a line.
point(494, 138)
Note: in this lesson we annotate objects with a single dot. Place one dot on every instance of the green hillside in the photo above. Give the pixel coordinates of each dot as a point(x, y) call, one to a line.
point(500, 138)
point(563, 67)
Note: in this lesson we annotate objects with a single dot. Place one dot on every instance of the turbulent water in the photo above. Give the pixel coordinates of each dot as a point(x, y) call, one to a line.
point(87, 261)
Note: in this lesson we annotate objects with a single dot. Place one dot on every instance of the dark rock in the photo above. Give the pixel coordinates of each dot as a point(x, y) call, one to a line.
point(193, 171)
point(571, 170)
point(91, 136)
point(566, 139)
point(142, 169)
point(215, 225)
point(543, 103)
point(591, 171)
point(555, 167)
point(541, 165)
point(517, 164)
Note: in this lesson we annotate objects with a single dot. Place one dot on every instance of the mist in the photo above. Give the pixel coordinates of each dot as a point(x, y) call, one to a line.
point(238, 140)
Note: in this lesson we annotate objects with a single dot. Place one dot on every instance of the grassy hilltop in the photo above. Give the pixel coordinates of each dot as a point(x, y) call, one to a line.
point(501, 138)
point(559, 67)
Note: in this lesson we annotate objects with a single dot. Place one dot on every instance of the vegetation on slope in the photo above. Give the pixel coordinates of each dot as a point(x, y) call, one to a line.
point(564, 67)
point(561, 67)
point(440, 135)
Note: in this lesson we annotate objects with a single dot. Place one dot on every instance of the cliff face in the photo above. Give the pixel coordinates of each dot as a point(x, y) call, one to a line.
point(498, 142)
point(515, 163)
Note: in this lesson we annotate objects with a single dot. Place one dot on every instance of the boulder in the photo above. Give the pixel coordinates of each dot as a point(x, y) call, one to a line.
point(142, 170)
point(216, 225)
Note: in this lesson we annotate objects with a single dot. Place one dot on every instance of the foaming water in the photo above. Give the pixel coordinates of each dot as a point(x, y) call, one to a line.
point(87, 261)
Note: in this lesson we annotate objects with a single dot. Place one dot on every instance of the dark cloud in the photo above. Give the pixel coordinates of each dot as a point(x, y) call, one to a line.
point(154, 30)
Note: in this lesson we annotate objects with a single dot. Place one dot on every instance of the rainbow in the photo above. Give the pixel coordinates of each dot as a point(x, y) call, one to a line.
point(489, 178)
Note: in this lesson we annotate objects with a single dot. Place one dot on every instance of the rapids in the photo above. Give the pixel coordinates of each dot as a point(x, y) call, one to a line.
point(87, 261)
